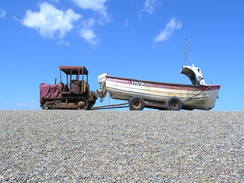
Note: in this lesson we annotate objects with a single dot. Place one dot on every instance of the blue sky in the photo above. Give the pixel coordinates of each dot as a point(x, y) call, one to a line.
point(141, 39)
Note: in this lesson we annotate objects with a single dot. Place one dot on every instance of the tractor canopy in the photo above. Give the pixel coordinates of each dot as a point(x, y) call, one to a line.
point(76, 70)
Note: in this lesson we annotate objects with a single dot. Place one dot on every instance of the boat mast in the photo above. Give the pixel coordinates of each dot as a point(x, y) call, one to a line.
point(187, 57)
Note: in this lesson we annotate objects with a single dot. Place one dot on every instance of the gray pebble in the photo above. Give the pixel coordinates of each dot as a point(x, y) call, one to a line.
point(121, 146)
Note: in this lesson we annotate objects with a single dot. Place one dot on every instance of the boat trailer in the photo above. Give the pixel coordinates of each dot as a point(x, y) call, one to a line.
point(126, 104)
point(112, 106)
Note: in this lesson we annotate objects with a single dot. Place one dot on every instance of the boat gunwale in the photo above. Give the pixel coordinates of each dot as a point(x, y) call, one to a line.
point(199, 87)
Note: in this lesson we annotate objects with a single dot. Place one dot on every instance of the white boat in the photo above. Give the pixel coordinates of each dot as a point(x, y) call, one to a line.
point(161, 95)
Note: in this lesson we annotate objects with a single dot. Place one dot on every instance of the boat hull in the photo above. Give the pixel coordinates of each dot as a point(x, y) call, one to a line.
point(195, 97)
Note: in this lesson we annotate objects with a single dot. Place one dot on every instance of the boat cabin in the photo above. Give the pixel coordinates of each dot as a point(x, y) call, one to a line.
point(194, 74)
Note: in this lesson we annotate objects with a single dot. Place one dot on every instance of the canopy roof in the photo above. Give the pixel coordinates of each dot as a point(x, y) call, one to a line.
point(74, 69)
point(194, 74)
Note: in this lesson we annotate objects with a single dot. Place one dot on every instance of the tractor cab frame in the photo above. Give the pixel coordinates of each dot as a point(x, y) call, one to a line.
point(76, 79)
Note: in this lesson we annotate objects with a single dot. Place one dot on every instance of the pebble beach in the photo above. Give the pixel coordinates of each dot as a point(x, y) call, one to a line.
point(121, 146)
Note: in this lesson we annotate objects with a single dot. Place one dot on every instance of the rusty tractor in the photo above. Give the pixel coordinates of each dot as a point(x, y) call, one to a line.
point(74, 94)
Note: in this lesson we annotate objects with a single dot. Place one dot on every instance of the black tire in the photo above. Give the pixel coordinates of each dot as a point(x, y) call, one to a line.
point(136, 103)
point(173, 104)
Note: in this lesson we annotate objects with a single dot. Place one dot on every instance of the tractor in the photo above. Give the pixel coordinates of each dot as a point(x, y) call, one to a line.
point(74, 94)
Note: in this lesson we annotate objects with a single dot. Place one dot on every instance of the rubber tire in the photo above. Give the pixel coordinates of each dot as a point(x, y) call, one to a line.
point(136, 99)
point(171, 100)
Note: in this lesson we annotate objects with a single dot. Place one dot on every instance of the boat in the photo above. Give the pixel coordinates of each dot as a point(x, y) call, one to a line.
point(161, 95)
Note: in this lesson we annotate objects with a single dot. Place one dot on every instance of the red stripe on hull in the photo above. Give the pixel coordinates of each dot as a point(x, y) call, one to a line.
point(162, 85)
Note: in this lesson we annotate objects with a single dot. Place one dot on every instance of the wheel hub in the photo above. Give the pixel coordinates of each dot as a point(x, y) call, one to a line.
point(137, 104)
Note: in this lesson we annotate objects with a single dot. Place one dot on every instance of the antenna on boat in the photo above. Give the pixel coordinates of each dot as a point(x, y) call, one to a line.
point(187, 57)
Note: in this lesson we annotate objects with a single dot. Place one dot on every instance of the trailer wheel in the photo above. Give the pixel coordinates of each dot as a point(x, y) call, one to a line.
point(136, 103)
point(174, 104)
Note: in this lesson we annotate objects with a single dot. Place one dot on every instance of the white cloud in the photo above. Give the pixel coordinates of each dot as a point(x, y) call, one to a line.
point(2, 13)
point(97, 6)
point(50, 21)
point(100, 18)
point(89, 23)
point(150, 6)
point(89, 36)
point(171, 26)
point(64, 43)
point(87, 32)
